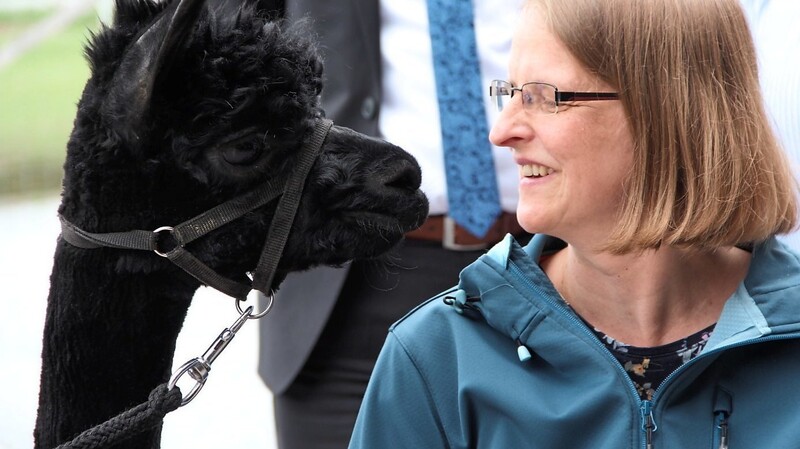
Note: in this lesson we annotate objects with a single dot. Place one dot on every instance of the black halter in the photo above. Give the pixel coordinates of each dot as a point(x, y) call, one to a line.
point(289, 188)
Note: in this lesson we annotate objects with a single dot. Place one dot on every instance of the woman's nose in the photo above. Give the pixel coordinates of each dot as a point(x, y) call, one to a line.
point(509, 127)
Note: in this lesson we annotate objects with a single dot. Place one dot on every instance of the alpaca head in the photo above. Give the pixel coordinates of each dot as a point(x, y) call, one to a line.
point(186, 109)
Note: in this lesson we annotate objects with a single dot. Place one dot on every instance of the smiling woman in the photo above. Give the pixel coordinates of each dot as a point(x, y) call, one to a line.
point(584, 147)
point(654, 308)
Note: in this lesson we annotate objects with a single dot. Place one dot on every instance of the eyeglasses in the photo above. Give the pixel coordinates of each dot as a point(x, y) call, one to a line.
point(541, 97)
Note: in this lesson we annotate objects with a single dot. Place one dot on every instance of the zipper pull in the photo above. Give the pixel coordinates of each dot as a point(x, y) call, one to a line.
point(723, 406)
point(648, 423)
point(723, 433)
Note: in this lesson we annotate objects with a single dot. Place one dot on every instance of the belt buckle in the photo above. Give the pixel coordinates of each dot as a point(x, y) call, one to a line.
point(449, 238)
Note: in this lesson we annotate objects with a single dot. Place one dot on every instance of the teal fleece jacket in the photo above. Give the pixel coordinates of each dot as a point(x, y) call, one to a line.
point(455, 372)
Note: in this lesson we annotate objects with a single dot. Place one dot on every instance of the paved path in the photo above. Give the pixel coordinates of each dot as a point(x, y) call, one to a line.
point(43, 29)
point(233, 410)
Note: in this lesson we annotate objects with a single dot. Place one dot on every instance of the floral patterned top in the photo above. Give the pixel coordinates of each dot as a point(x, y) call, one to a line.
point(648, 367)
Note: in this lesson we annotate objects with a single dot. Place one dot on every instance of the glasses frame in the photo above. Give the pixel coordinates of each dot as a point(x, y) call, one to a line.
point(560, 96)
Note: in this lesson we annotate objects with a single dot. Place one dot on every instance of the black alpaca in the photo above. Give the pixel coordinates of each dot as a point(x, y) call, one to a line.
point(184, 110)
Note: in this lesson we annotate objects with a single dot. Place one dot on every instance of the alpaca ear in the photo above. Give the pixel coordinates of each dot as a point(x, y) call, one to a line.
point(145, 64)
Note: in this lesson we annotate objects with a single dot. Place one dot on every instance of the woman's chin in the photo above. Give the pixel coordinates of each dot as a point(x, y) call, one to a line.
point(531, 219)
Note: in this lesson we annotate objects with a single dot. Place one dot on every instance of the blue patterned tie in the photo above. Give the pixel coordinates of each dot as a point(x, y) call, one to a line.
point(473, 199)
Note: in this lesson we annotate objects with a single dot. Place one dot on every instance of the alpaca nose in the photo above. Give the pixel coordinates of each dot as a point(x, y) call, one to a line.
point(404, 174)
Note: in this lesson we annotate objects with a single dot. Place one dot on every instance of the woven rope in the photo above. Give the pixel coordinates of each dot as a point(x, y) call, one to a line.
point(129, 423)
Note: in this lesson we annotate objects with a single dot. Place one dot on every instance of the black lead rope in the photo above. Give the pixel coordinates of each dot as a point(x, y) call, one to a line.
point(130, 423)
point(166, 398)
point(290, 189)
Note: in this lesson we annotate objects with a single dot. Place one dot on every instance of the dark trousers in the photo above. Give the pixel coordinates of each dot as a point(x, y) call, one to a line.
point(319, 409)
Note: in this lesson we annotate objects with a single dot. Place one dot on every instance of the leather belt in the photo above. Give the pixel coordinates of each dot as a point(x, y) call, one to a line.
point(442, 228)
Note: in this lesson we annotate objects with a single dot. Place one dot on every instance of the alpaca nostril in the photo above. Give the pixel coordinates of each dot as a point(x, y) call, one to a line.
point(405, 176)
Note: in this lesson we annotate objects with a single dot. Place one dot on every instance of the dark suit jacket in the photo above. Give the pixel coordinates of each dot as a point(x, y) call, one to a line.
point(348, 32)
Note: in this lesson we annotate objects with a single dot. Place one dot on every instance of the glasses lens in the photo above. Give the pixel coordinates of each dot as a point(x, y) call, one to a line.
point(536, 97)
point(539, 97)
point(500, 92)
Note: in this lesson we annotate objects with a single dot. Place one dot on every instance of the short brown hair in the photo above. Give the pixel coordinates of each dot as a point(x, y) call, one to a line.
point(708, 170)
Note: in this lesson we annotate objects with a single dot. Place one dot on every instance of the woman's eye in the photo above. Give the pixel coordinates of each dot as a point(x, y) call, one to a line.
point(528, 98)
point(241, 154)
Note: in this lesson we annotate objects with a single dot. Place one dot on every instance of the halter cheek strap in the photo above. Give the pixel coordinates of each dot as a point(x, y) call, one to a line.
point(288, 188)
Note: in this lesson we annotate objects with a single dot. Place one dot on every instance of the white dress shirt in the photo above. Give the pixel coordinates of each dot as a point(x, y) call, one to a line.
point(409, 114)
point(775, 25)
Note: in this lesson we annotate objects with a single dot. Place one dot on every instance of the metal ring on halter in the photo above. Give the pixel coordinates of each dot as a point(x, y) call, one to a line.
point(168, 229)
point(263, 313)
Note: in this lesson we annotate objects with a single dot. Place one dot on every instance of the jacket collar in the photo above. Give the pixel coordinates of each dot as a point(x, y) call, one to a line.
point(515, 294)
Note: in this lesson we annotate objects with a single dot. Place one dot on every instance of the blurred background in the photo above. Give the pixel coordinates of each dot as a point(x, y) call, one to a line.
point(42, 74)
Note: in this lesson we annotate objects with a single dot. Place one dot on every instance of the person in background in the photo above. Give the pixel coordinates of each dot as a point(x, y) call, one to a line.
point(773, 24)
point(653, 307)
point(320, 341)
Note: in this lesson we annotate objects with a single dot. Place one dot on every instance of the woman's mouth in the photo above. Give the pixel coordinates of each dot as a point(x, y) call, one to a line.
point(534, 170)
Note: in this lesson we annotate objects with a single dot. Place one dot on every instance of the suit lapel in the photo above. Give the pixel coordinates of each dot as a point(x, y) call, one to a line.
point(368, 19)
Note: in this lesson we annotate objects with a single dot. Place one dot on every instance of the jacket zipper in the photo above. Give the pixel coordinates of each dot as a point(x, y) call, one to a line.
point(645, 407)
point(649, 425)
point(723, 406)
point(724, 411)
point(721, 424)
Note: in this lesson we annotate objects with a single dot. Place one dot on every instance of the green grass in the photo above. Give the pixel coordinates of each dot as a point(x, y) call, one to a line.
point(13, 23)
point(38, 97)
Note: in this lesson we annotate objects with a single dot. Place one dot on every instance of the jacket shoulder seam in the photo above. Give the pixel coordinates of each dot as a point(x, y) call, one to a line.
point(426, 382)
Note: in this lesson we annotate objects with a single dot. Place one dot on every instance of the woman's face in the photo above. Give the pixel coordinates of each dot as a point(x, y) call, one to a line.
point(585, 151)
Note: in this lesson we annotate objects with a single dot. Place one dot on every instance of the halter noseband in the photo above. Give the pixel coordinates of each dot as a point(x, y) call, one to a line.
point(289, 188)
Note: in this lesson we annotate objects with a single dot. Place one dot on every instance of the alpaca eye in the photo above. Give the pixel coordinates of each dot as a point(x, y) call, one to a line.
point(241, 155)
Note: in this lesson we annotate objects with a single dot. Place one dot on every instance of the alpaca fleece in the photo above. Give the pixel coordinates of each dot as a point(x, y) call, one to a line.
point(186, 108)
